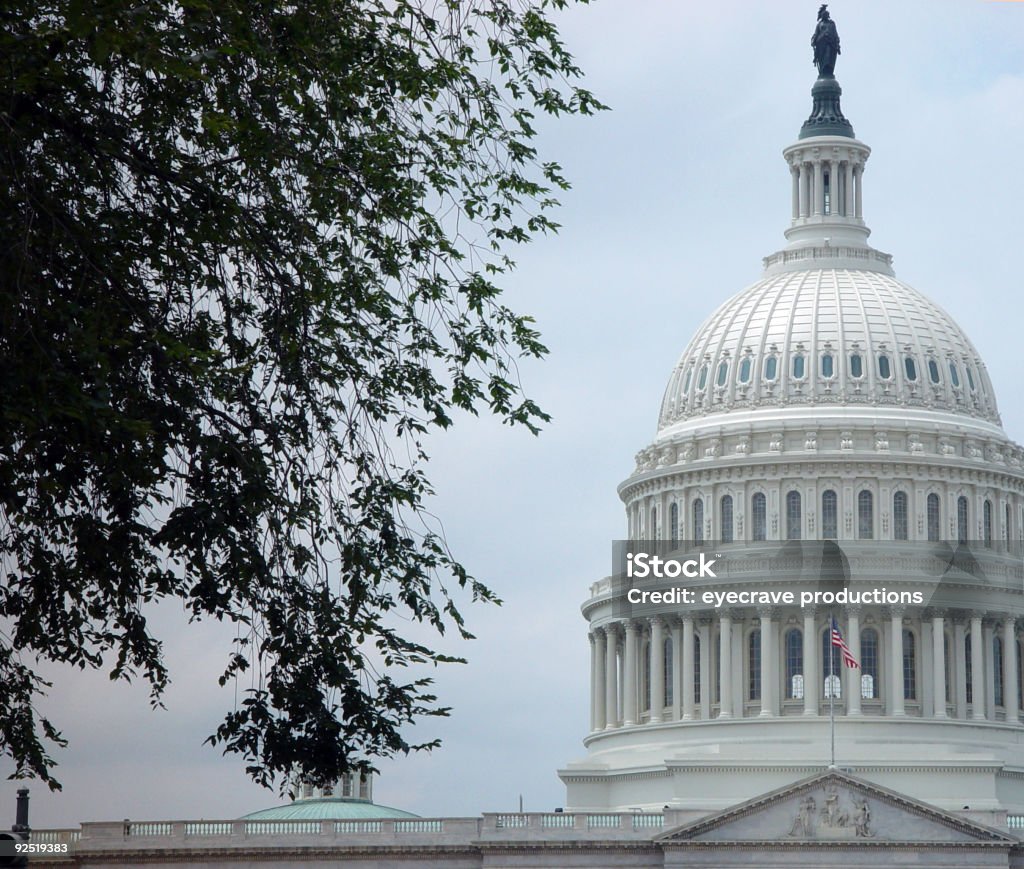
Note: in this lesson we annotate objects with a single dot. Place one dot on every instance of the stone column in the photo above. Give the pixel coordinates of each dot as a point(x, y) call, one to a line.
point(657, 669)
point(705, 669)
point(1010, 700)
point(896, 663)
point(960, 677)
point(611, 678)
point(794, 171)
point(978, 682)
point(833, 187)
point(859, 182)
point(687, 666)
point(848, 190)
point(805, 190)
point(629, 674)
point(598, 643)
point(812, 675)
point(677, 669)
point(725, 665)
point(819, 196)
point(938, 667)
point(767, 656)
point(853, 674)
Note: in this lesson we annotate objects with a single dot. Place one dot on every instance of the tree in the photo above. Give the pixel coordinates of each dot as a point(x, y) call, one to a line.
point(251, 254)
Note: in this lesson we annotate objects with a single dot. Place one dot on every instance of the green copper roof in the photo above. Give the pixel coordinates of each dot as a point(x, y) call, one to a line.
point(327, 809)
point(826, 115)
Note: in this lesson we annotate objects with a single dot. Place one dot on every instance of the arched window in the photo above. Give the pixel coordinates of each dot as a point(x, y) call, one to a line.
point(910, 366)
point(726, 514)
point(829, 515)
point(745, 370)
point(759, 517)
point(933, 370)
point(900, 527)
point(686, 382)
point(869, 664)
point(831, 666)
point(954, 375)
point(652, 533)
point(798, 366)
point(997, 669)
point(754, 665)
point(673, 519)
point(696, 668)
point(969, 669)
point(723, 373)
point(698, 520)
point(827, 365)
point(794, 664)
point(702, 377)
point(669, 692)
point(771, 368)
point(856, 365)
point(961, 519)
point(909, 666)
point(933, 517)
point(793, 516)
point(986, 522)
point(884, 369)
point(865, 515)
point(970, 377)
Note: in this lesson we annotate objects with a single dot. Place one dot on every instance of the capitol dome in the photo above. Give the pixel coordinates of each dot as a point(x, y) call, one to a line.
point(829, 427)
point(827, 337)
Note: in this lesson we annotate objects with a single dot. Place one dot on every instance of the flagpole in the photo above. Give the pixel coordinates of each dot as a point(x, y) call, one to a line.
point(831, 686)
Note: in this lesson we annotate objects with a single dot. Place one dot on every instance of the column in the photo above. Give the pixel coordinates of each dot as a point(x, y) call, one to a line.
point(705, 669)
point(819, 196)
point(978, 687)
point(767, 656)
point(848, 191)
point(629, 674)
point(896, 663)
point(853, 674)
point(812, 676)
point(677, 669)
point(1010, 699)
point(725, 665)
point(600, 655)
point(657, 669)
point(804, 191)
point(611, 673)
point(687, 680)
point(938, 667)
point(960, 678)
point(858, 178)
point(794, 172)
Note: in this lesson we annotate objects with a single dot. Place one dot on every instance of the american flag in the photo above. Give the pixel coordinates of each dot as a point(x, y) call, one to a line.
point(840, 643)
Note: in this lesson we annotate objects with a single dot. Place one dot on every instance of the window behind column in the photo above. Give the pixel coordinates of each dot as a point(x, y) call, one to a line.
point(997, 669)
point(669, 681)
point(754, 665)
point(869, 664)
point(969, 669)
point(696, 668)
point(909, 665)
point(794, 646)
point(831, 666)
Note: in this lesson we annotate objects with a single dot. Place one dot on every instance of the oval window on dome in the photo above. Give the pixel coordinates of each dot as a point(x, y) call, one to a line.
point(745, 370)
point(970, 377)
point(798, 366)
point(771, 368)
point(686, 382)
point(827, 365)
point(856, 365)
point(702, 377)
point(884, 369)
point(954, 375)
point(723, 372)
point(910, 366)
point(933, 370)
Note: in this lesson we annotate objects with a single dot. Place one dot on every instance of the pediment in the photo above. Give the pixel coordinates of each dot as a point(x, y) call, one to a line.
point(833, 806)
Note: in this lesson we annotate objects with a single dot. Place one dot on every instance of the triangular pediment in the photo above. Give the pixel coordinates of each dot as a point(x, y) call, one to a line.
point(833, 806)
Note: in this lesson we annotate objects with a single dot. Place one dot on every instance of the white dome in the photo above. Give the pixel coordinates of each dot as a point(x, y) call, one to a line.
point(832, 337)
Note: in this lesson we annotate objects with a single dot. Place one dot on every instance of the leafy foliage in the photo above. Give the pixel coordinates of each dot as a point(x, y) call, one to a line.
point(250, 253)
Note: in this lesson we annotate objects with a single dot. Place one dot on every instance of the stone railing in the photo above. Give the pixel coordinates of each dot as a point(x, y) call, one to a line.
point(159, 835)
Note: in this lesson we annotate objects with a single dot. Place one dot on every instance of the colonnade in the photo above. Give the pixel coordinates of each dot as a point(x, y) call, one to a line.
point(928, 664)
point(844, 189)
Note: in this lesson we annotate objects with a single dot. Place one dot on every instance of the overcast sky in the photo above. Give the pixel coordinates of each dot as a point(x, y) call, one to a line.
point(678, 192)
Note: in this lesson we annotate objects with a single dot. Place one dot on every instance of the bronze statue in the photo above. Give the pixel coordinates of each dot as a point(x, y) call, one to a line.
point(825, 43)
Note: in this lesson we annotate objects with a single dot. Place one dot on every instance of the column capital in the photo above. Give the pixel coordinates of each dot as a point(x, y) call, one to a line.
point(765, 611)
point(661, 621)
